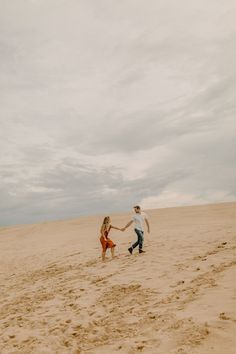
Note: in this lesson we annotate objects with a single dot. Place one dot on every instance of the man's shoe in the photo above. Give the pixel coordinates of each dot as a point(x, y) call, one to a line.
point(141, 251)
point(130, 250)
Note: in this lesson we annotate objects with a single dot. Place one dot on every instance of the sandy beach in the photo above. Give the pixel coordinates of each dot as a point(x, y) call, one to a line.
point(57, 297)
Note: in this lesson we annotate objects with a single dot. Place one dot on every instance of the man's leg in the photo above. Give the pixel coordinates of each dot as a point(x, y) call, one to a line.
point(135, 244)
point(141, 241)
point(138, 239)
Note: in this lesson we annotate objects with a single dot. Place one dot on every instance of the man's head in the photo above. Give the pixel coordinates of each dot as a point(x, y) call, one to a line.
point(137, 209)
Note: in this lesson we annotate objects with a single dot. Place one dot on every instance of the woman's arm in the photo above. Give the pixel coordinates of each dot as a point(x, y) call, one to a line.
point(116, 228)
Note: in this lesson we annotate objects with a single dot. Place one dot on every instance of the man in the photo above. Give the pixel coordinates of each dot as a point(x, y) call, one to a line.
point(138, 220)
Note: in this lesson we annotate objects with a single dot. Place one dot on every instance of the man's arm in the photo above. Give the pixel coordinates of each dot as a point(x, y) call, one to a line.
point(129, 223)
point(148, 226)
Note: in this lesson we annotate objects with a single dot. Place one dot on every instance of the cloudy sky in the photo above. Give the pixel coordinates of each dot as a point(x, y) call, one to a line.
point(106, 104)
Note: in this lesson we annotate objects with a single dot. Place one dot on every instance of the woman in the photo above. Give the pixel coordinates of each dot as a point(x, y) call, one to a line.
point(105, 240)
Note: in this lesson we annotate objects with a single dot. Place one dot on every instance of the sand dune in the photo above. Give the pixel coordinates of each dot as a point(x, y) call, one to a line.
point(179, 297)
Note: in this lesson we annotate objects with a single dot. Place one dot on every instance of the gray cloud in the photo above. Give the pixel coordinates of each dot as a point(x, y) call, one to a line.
point(71, 190)
point(106, 104)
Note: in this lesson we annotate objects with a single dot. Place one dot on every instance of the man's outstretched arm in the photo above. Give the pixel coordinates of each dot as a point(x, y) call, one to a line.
point(129, 223)
point(148, 226)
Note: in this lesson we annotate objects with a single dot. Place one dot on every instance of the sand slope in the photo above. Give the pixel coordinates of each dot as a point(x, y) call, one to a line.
point(179, 297)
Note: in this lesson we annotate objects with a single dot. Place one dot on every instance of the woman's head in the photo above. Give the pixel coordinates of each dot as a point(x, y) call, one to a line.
point(106, 220)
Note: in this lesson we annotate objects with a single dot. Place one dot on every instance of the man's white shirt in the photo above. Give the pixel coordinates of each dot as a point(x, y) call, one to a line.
point(138, 220)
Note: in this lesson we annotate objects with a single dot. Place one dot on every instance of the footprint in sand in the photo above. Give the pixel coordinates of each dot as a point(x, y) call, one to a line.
point(225, 317)
point(72, 254)
point(181, 282)
point(91, 263)
point(222, 245)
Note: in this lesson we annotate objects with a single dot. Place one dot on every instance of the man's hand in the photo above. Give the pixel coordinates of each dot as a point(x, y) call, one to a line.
point(148, 226)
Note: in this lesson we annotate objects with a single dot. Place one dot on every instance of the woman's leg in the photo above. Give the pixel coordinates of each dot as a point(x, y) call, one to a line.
point(103, 255)
point(113, 252)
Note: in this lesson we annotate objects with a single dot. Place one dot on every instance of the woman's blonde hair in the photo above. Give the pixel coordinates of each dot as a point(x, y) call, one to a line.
point(105, 221)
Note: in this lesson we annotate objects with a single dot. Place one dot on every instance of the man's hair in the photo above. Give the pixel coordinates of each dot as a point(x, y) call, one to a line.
point(137, 207)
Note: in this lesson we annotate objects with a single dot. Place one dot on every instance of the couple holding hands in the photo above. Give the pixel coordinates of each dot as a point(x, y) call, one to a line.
point(138, 220)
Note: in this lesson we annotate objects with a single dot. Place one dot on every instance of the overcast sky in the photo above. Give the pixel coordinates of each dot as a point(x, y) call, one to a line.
point(106, 104)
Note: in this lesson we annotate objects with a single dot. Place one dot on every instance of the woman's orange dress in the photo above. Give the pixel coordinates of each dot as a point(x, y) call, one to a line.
point(106, 241)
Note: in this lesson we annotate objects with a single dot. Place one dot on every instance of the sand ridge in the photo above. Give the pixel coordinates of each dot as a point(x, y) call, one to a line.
point(179, 297)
